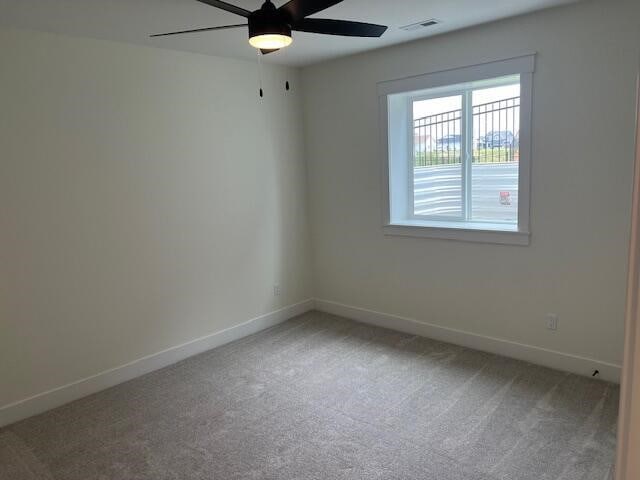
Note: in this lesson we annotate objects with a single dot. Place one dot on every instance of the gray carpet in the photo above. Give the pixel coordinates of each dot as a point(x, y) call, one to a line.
point(320, 397)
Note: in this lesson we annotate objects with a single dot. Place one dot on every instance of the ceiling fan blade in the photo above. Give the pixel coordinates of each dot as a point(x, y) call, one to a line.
point(228, 7)
point(339, 27)
point(267, 52)
point(298, 9)
point(208, 29)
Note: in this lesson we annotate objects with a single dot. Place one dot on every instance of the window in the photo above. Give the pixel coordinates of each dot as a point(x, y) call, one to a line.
point(456, 153)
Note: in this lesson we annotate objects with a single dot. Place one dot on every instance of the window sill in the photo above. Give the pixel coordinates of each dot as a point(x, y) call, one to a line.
point(466, 232)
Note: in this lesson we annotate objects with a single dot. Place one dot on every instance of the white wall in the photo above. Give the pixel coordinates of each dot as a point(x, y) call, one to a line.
point(147, 198)
point(583, 144)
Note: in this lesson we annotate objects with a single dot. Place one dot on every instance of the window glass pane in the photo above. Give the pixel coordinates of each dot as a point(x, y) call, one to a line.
point(437, 159)
point(496, 134)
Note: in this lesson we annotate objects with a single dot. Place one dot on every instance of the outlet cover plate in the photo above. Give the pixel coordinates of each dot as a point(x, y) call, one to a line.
point(552, 321)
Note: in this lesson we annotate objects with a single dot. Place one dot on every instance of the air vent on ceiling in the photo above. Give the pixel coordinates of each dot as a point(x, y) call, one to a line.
point(424, 24)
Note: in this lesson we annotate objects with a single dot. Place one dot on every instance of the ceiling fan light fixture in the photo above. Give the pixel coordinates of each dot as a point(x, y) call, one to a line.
point(270, 41)
point(268, 30)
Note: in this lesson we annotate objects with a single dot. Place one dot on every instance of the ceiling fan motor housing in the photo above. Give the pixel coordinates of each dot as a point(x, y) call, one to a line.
point(268, 21)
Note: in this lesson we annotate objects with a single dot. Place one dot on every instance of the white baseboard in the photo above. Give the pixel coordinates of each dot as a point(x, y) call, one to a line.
point(59, 396)
point(528, 353)
point(81, 388)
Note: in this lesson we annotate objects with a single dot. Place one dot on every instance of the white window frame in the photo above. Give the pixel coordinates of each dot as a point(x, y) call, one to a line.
point(454, 229)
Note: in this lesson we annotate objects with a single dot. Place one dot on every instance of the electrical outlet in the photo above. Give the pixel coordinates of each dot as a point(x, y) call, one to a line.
point(276, 290)
point(552, 321)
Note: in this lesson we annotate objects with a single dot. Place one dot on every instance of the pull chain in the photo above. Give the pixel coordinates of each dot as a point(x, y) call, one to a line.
point(260, 72)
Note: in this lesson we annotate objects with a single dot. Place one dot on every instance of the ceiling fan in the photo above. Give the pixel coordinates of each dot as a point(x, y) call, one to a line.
point(270, 27)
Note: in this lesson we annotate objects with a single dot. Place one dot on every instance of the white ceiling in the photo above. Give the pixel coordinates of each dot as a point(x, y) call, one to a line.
point(133, 20)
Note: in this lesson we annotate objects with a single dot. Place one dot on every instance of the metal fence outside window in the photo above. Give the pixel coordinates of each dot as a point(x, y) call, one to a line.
point(438, 138)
